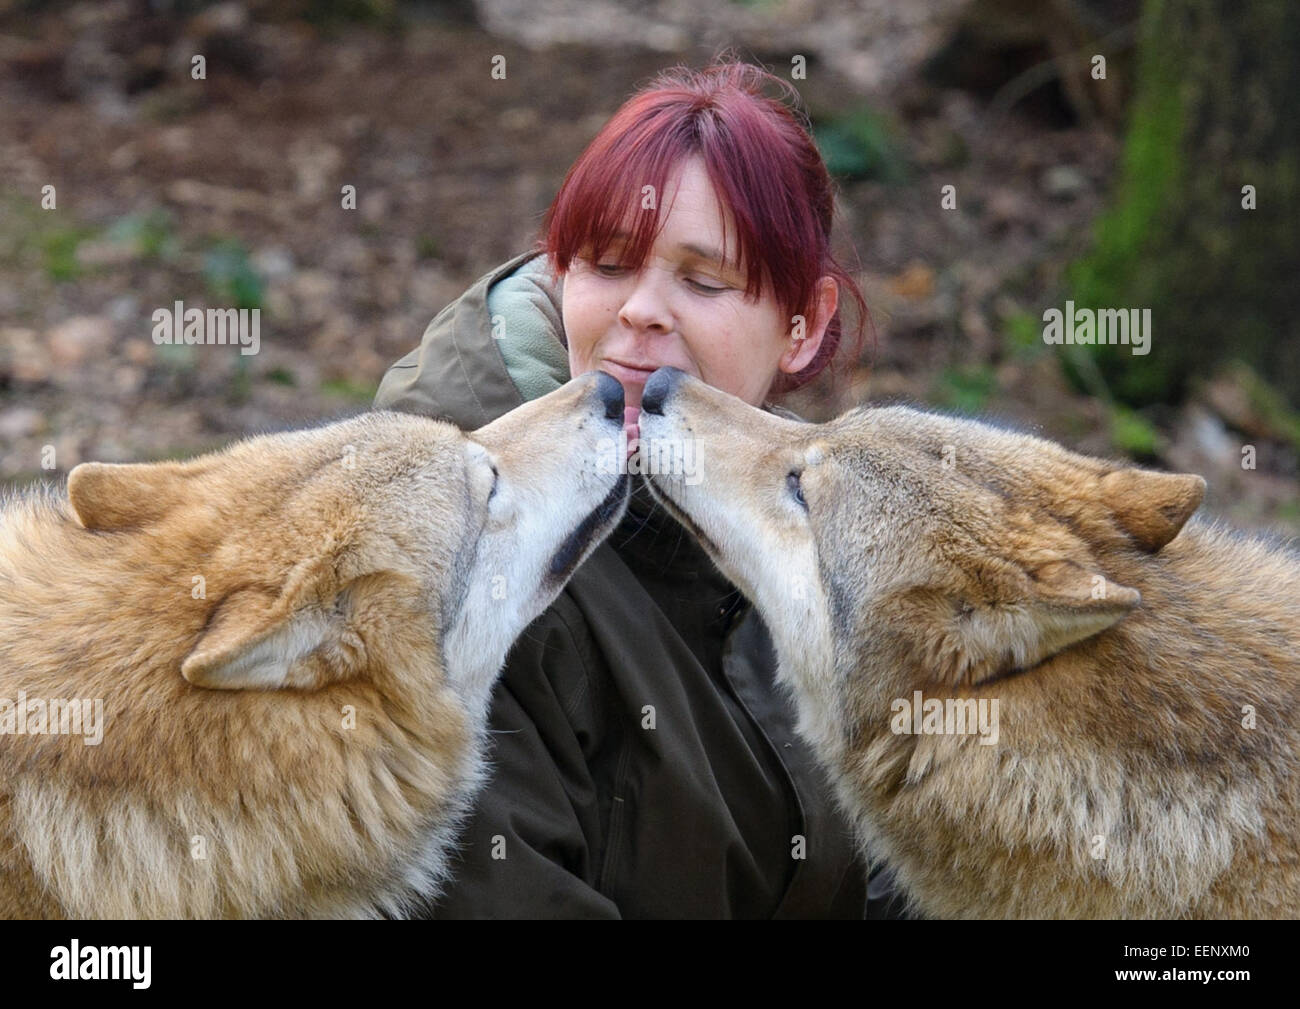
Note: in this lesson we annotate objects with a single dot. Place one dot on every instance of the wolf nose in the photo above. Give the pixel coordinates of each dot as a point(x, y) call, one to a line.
point(611, 394)
point(658, 388)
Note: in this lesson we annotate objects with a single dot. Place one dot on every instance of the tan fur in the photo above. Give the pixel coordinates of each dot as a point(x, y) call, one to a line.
point(1127, 654)
point(347, 630)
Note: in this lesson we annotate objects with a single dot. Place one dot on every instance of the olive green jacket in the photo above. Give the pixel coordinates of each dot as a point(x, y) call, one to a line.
point(645, 763)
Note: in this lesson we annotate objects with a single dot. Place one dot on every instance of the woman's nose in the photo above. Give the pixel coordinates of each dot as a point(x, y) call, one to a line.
point(646, 308)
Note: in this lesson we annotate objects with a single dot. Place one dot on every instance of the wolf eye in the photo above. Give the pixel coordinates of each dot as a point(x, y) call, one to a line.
point(796, 488)
point(495, 479)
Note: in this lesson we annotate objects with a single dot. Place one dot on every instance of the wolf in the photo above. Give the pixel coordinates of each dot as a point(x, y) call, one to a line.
point(1129, 679)
point(293, 643)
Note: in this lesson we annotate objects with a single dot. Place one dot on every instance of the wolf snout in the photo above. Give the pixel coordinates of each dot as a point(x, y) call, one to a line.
point(610, 392)
point(659, 388)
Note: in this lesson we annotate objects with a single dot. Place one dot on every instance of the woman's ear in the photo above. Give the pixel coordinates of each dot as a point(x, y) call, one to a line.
point(805, 335)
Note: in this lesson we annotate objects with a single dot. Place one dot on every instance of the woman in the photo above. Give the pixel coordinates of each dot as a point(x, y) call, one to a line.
point(645, 763)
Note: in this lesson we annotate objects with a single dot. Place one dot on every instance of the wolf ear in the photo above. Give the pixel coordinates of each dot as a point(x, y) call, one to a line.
point(1151, 507)
point(1066, 604)
point(254, 641)
point(118, 496)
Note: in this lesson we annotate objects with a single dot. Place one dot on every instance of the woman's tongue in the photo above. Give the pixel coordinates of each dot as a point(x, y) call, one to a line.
point(631, 411)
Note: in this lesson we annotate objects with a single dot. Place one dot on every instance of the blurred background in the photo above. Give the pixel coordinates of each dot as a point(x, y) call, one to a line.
point(1167, 177)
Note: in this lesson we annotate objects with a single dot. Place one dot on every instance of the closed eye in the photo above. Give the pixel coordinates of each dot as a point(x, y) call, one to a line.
point(496, 477)
point(795, 487)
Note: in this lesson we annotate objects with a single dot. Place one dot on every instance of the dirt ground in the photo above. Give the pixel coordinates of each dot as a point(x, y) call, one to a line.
point(169, 188)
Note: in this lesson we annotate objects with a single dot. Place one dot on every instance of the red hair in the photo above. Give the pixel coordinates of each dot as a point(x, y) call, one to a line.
point(764, 166)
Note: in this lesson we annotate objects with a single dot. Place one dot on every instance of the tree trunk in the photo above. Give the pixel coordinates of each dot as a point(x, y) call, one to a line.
point(1215, 110)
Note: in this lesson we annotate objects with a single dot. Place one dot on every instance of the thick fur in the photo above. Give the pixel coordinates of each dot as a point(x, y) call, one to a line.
point(1147, 675)
point(300, 732)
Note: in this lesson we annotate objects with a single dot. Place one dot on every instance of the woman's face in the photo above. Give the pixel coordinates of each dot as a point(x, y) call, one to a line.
point(684, 308)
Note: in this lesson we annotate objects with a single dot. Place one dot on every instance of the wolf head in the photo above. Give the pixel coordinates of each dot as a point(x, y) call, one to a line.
point(300, 552)
point(926, 549)
point(345, 597)
point(923, 575)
